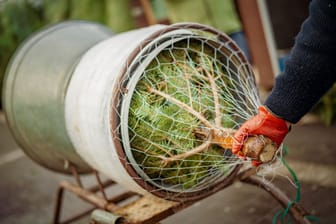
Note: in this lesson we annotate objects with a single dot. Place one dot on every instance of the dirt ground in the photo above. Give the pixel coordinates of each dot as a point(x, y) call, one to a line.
point(27, 191)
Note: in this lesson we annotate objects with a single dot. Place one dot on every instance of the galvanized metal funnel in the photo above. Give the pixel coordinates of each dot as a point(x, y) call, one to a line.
point(34, 90)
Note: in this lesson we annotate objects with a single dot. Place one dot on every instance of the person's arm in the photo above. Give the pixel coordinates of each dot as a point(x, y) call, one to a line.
point(309, 72)
point(311, 68)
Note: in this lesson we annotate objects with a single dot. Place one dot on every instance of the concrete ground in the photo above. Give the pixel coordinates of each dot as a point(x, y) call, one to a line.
point(27, 191)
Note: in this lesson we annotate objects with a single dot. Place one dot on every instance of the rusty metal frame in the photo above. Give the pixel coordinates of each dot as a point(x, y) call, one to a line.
point(131, 207)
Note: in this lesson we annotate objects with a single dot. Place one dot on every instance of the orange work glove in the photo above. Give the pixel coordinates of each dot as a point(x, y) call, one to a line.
point(264, 123)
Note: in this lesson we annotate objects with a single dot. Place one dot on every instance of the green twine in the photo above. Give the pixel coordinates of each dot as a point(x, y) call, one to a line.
point(284, 213)
point(313, 218)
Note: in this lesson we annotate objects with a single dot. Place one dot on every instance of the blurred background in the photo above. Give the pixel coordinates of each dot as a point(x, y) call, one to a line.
point(264, 30)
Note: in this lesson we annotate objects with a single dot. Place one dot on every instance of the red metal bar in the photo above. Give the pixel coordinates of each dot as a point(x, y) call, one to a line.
point(100, 185)
point(86, 195)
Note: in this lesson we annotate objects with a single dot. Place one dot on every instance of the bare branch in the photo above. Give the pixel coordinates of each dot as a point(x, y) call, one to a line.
point(194, 151)
point(182, 105)
point(218, 120)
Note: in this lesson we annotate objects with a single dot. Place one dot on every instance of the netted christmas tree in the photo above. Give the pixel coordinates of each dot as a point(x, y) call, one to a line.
point(185, 100)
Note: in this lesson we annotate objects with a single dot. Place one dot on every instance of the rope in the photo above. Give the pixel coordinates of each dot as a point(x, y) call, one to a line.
point(283, 214)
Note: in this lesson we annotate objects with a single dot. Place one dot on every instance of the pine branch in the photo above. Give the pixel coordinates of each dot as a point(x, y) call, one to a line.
point(218, 120)
point(184, 106)
point(199, 149)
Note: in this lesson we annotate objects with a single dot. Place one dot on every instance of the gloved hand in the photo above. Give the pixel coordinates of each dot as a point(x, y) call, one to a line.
point(264, 123)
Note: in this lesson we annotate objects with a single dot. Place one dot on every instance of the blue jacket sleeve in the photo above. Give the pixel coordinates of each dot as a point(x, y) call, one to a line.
point(311, 67)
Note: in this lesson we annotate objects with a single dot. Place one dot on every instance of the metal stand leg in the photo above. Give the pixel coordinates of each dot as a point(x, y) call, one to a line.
point(86, 195)
point(149, 209)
